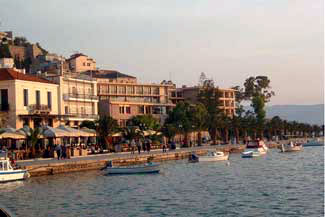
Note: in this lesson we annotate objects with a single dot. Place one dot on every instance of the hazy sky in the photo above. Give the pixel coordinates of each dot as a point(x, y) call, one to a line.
point(161, 39)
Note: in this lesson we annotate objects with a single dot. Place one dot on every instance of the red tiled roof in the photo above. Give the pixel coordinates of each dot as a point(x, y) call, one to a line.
point(11, 74)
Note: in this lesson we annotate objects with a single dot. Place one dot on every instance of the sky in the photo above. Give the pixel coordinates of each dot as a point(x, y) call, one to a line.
point(155, 40)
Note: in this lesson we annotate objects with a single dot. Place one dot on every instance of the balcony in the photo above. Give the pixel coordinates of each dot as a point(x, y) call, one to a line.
point(39, 109)
point(82, 115)
point(69, 96)
point(4, 107)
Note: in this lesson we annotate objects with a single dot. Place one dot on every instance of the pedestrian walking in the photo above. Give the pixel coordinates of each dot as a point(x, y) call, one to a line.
point(148, 145)
point(132, 144)
point(164, 147)
point(139, 144)
point(144, 144)
point(64, 152)
point(58, 150)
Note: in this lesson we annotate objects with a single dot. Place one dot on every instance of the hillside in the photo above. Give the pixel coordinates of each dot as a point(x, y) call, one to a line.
point(312, 114)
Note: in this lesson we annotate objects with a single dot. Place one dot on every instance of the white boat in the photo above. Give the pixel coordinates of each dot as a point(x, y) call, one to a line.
point(255, 149)
point(146, 168)
point(291, 147)
point(8, 173)
point(214, 156)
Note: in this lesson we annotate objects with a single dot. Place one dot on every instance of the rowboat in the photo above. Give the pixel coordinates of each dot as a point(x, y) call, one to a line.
point(141, 169)
point(291, 147)
point(254, 149)
point(8, 173)
point(214, 156)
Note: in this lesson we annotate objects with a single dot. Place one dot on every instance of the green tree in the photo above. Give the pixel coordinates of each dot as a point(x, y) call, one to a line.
point(199, 119)
point(169, 130)
point(32, 137)
point(106, 125)
point(209, 97)
point(181, 118)
point(88, 124)
point(144, 122)
point(258, 91)
point(4, 49)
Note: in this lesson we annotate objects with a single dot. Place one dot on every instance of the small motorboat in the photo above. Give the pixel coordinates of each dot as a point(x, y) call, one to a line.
point(138, 169)
point(291, 147)
point(255, 149)
point(214, 156)
point(193, 158)
point(314, 142)
point(8, 173)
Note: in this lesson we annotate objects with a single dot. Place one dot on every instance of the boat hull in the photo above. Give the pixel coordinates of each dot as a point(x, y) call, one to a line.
point(133, 170)
point(286, 148)
point(15, 175)
point(213, 158)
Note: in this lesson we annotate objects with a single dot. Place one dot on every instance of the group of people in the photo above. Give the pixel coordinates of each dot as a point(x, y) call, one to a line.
point(61, 152)
point(145, 145)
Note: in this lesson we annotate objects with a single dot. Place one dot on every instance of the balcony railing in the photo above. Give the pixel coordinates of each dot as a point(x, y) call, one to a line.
point(79, 96)
point(38, 109)
point(82, 115)
point(4, 107)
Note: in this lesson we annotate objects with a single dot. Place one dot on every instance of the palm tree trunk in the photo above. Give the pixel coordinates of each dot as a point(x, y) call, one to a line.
point(237, 135)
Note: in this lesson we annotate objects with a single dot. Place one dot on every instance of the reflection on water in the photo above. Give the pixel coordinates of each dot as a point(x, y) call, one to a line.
point(278, 184)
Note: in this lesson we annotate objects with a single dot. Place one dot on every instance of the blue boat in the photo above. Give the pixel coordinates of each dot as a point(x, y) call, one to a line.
point(141, 169)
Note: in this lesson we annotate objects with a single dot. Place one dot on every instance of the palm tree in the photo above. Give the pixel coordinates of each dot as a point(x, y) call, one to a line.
point(181, 118)
point(131, 132)
point(199, 117)
point(225, 125)
point(105, 126)
point(169, 131)
point(32, 137)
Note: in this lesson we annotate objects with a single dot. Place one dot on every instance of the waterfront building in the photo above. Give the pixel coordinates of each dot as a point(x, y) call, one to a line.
point(27, 100)
point(77, 98)
point(190, 94)
point(80, 63)
point(122, 97)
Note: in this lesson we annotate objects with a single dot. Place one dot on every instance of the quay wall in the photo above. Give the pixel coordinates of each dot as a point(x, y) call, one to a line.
point(40, 169)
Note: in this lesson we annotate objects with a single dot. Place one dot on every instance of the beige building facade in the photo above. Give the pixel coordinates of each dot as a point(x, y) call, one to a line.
point(81, 63)
point(121, 97)
point(77, 98)
point(27, 100)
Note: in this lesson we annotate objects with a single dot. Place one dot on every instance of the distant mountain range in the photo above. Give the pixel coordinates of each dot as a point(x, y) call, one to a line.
point(312, 114)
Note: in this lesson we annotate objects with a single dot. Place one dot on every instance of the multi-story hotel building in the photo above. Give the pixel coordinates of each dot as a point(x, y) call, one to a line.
point(27, 100)
point(227, 98)
point(77, 98)
point(122, 97)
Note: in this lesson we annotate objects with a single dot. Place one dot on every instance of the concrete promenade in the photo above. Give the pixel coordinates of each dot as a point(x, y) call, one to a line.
point(38, 167)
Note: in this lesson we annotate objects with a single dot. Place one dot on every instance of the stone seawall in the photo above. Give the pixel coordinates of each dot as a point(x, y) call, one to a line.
point(57, 167)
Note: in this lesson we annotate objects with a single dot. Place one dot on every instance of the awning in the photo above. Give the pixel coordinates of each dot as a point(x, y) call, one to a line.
point(51, 132)
point(10, 135)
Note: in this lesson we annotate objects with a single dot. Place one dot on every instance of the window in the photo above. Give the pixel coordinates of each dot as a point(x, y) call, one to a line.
point(82, 110)
point(141, 109)
point(128, 110)
point(49, 100)
point(25, 97)
point(66, 110)
point(38, 97)
point(84, 64)
point(88, 64)
point(121, 110)
point(25, 122)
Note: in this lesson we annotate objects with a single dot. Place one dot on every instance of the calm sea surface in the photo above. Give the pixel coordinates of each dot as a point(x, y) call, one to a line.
point(278, 184)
